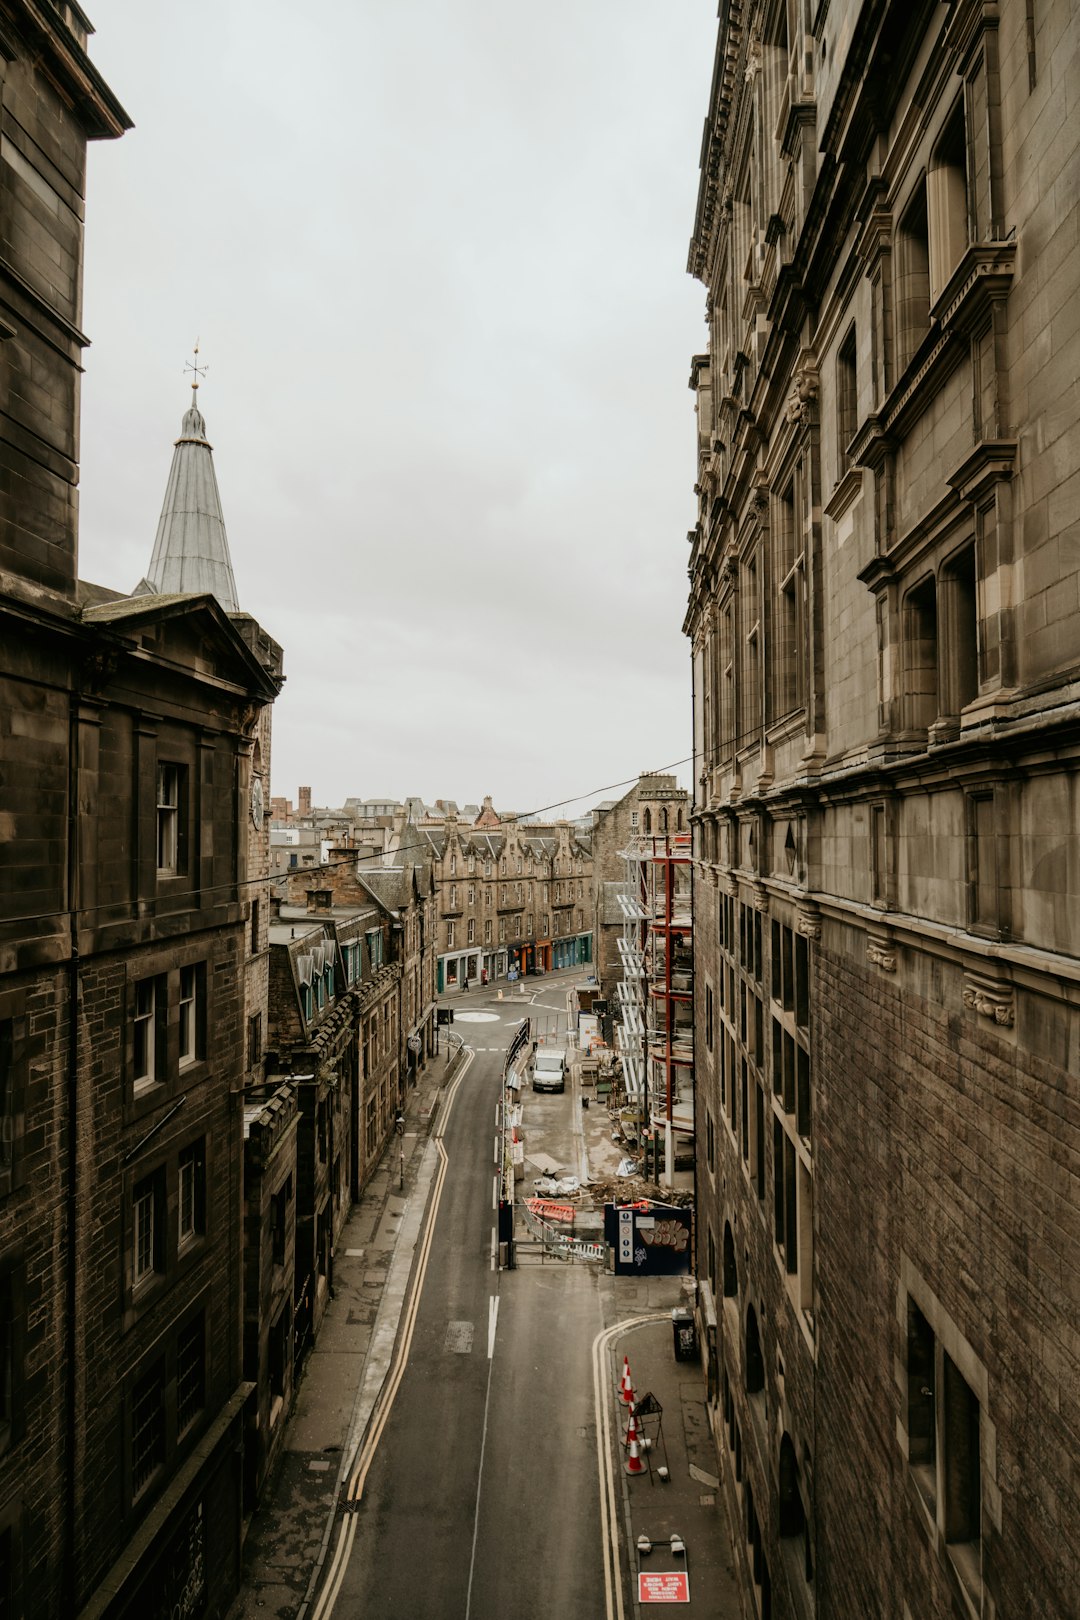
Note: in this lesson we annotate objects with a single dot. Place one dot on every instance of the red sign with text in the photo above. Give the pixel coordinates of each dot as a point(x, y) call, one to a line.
point(666, 1586)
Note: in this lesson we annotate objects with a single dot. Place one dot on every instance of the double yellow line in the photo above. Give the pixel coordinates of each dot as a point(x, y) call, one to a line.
point(605, 1451)
point(354, 1488)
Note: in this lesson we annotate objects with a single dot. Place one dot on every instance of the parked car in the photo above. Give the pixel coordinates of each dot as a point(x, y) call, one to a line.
point(549, 1070)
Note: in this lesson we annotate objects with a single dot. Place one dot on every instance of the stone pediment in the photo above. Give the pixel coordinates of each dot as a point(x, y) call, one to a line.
point(191, 633)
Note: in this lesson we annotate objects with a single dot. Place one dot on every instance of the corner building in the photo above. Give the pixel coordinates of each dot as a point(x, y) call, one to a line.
point(133, 733)
point(886, 654)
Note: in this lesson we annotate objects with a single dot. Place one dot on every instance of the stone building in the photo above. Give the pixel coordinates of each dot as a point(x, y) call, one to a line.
point(886, 654)
point(351, 1020)
point(407, 888)
point(271, 1115)
point(655, 804)
point(512, 896)
point(134, 735)
point(349, 885)
point(127, 762)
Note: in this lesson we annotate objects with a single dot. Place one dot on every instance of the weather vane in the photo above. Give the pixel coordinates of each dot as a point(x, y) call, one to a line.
point(194, 366)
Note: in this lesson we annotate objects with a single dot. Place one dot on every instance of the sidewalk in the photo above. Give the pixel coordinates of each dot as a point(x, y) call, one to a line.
point(688, 1502)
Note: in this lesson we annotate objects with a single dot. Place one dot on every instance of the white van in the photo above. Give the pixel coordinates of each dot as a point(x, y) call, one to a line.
point(549, 1070)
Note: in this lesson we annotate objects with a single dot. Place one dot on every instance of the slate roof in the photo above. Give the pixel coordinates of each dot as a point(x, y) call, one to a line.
point(191, 550)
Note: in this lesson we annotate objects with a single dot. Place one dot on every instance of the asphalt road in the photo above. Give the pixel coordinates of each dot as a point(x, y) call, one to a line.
point(480, 1500)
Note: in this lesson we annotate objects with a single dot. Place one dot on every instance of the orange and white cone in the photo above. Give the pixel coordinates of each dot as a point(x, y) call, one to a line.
point(626, 1388)
point(634, 1464)
point(632, 1431)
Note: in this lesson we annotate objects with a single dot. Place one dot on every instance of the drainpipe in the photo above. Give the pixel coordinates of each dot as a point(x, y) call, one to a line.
point(68, 1581)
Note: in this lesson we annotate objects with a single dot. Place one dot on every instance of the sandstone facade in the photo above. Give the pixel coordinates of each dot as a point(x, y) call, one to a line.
point(886, 642)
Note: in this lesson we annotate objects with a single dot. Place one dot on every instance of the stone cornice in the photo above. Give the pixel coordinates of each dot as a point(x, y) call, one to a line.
point(63, 60)
point(989, 463)
point(981, 279)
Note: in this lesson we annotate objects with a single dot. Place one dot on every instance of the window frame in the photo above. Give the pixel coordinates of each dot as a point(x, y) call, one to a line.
point(172, 1250)
point(13, 1077)
point(191, 1195)
point(161, 1364)
point(171, 817)
point(936, 1474)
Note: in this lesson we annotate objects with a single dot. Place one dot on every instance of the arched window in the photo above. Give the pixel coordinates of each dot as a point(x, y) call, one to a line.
point(663, 819)
point(646, 821)
point(755, 1364)
point(793, 1521)
point(731, 1270)
point(792, 1516)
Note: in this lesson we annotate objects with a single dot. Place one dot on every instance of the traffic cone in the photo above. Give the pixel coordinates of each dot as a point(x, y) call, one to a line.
point(632, 1436)
point(634, 1464)
point(626, 1388)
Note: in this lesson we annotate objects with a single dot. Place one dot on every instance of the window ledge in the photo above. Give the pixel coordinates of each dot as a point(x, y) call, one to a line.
point(965, 1558)
point(846, 492)
point(787, 726)
point(981, 279)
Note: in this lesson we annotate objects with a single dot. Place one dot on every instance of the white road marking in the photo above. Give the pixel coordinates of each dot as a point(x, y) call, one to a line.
point(479, 1481)
point(494, 1192)
point(493, 1317)
point(494, 1247)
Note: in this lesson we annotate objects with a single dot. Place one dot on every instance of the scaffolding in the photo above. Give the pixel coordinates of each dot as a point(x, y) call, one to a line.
point(654, 1035)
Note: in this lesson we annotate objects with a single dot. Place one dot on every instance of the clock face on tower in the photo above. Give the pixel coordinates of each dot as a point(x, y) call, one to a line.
point(257, 802)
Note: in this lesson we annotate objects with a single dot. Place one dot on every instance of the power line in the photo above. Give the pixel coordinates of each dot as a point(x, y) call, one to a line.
point(338, 857)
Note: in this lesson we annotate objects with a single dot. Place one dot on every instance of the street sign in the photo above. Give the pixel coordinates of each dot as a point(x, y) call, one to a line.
point(664, 1586)
point(648, 1406)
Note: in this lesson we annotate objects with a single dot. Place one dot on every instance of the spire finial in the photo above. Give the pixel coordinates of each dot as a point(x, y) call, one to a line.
point(198, 371)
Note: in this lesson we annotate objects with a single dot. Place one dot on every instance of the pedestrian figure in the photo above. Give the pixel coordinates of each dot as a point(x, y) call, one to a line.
point(464, 985)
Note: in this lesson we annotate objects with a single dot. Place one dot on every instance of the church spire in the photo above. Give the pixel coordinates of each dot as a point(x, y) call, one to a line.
point(191, 551)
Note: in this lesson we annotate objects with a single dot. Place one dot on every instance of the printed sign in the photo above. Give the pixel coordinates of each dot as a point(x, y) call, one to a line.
point(649, 1239)
point(664, 1586)
point(626, 1237)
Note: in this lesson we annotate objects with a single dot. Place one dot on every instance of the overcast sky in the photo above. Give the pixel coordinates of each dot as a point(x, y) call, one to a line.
point(434, 252)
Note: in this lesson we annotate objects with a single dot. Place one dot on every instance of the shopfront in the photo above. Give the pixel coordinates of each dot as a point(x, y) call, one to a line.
point(572, 952)
point(457, 967)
